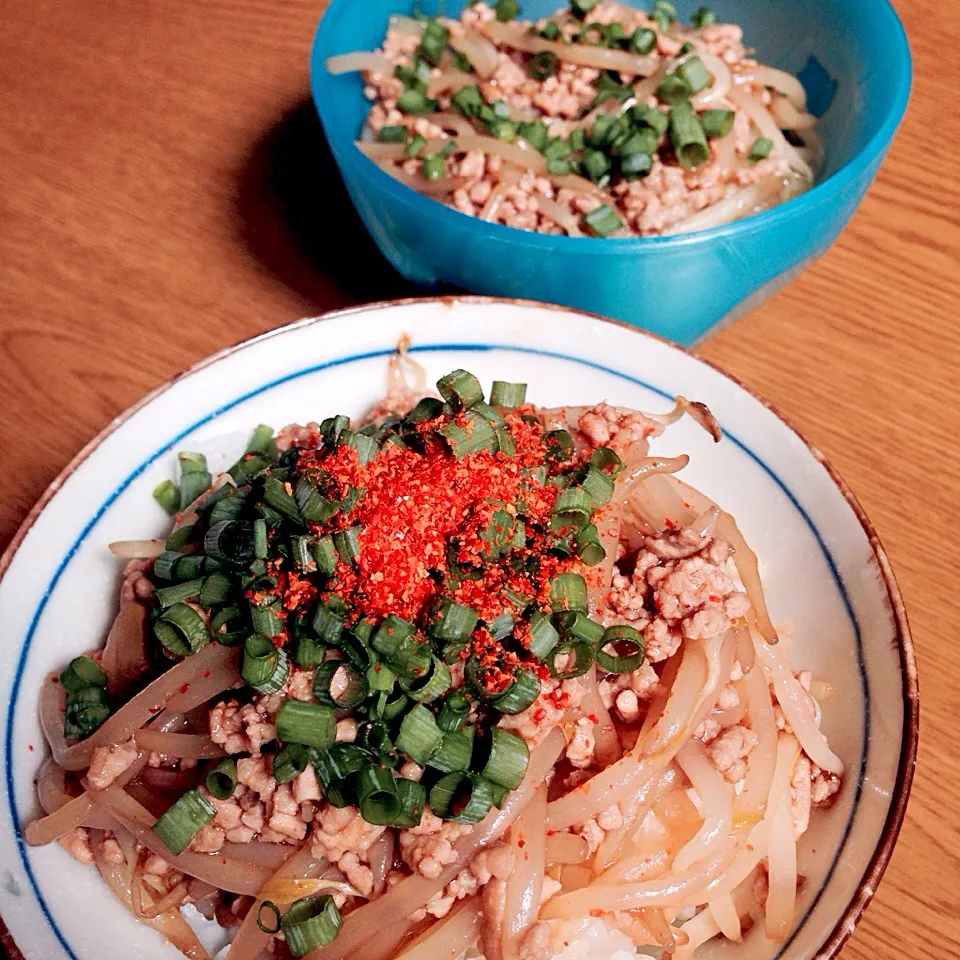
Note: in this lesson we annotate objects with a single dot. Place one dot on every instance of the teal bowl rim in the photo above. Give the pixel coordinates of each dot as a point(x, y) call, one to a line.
point(820, 193)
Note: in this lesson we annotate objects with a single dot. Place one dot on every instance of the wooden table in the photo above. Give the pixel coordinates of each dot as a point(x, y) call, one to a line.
point(159, 164)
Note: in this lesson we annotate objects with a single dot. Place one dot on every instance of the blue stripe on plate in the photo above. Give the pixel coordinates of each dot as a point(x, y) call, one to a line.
point(422, 348)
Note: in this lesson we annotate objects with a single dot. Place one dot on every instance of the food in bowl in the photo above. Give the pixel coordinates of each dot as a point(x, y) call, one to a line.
point(600, 120)
point(464, 673)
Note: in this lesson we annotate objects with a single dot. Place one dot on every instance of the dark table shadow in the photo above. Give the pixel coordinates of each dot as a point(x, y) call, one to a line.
point(296, 217)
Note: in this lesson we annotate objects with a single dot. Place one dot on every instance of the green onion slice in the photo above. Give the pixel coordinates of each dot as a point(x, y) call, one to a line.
point(568, 591)
point(419, 737)
point(167, 494)
point(82, 672)
point(506, 759)
point(455, 751)
point(290, 762)
point(189, 814)
point(273, 925)
point(412, 797)
point(461, 797)
point(312, 724)
point(311, 923)
point(377, 793)
point(338, 683)
point(620, 637)
point(579, 658)
point(221, 778)
point(263, 666)
point(519, 695)
point(181, 630)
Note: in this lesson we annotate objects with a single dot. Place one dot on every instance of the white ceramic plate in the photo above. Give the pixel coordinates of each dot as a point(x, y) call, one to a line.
point(825, 574)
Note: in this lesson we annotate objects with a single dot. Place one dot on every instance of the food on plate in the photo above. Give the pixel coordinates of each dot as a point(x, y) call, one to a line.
point(601, 120)
point(466, 675)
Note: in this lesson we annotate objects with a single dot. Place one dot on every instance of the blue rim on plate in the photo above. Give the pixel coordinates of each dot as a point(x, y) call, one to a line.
point(883, 850)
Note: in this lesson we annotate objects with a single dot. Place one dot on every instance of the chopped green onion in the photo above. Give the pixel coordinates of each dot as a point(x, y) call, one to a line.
point(180, 537)
point(596, 165)
point(313, 507)
point(312, 724)
point(272, 927)
point(461, 797)
point(603, 221)
point(643, 41)
point(694, 74)
point(507, 759)
point(215, 590)
point(519, 695)
point(559, 445)
point(86, 710)
point(686, 134)
point(327, 625)
point(461, 62)
point(703, 17)
point(82, 672)
point(598, 485)
point(325, 555)
point(300, 553)
point(229, 626)
point(377, 793)
point(393, 639)
point(380, 678)
point(347, 543)
point(416, 101)
point(393, 134)
point(506, 10)
point(189, 814)
point(263, 666)
point(673, 89)
point(574, 500)
point(226, 508)
point(477, 435)
point(454, 622)
point(221, 778)
point(181, 630)
point(651, 117)
point(309, 653)
point(290, 762)
point(543, 636)
point(335, 768)
point(366, 447)
point(535, 133)
point(461, 388)
point(337, 683)
point(568, 591)
point(412, 797)
point(717, 123)
point(230, 541)
point(620, 662)
point(760, 150)
point(165, 565)
point(455, 751)
point(433, 166)
point(194, 477)
point(576, 625)
point(589, 548)
point(433, 42)
point(469, 102)
point(579, 657)
point(267, 618)
point(543, 64)
point(557, 149)
point(311, 923)
point(433, 683)
point(167, 494)
point(453, 713)
point(419, 737)
point(167, 596)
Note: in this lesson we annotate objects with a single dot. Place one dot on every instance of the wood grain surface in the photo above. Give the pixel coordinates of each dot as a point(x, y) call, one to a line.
point(164, 192)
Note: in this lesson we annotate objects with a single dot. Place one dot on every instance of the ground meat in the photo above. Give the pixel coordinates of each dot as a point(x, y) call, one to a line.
point(305, 787)
point(616, 427)
point(347, 730)
point(610, 819)
point(257, 774)
point(300, 436)
point(627, 690)
point(112, 851)
point(285, 815)
point(428, 847)
point(108, 763)
point(553, 701)
point(340, 830)
point(241, 729)
point(77, 844)
point(727, 752)
point(593, 833)
point(497, 861)
point(136, 584)
point(583, 744)
point(800, 795)
point(536, 944)
point(677, 591)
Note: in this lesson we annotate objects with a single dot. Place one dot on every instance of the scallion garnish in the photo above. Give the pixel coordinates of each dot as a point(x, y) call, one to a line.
point(620, 637)
point(189, 814)
point(506, 759)
point(311, 923)
point(263, 666)
point(167, 494)
point(419, 737)
point(221, 779)
point(760, 150)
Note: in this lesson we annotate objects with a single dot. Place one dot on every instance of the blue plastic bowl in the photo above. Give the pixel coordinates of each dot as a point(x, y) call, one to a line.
point(853, 59)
